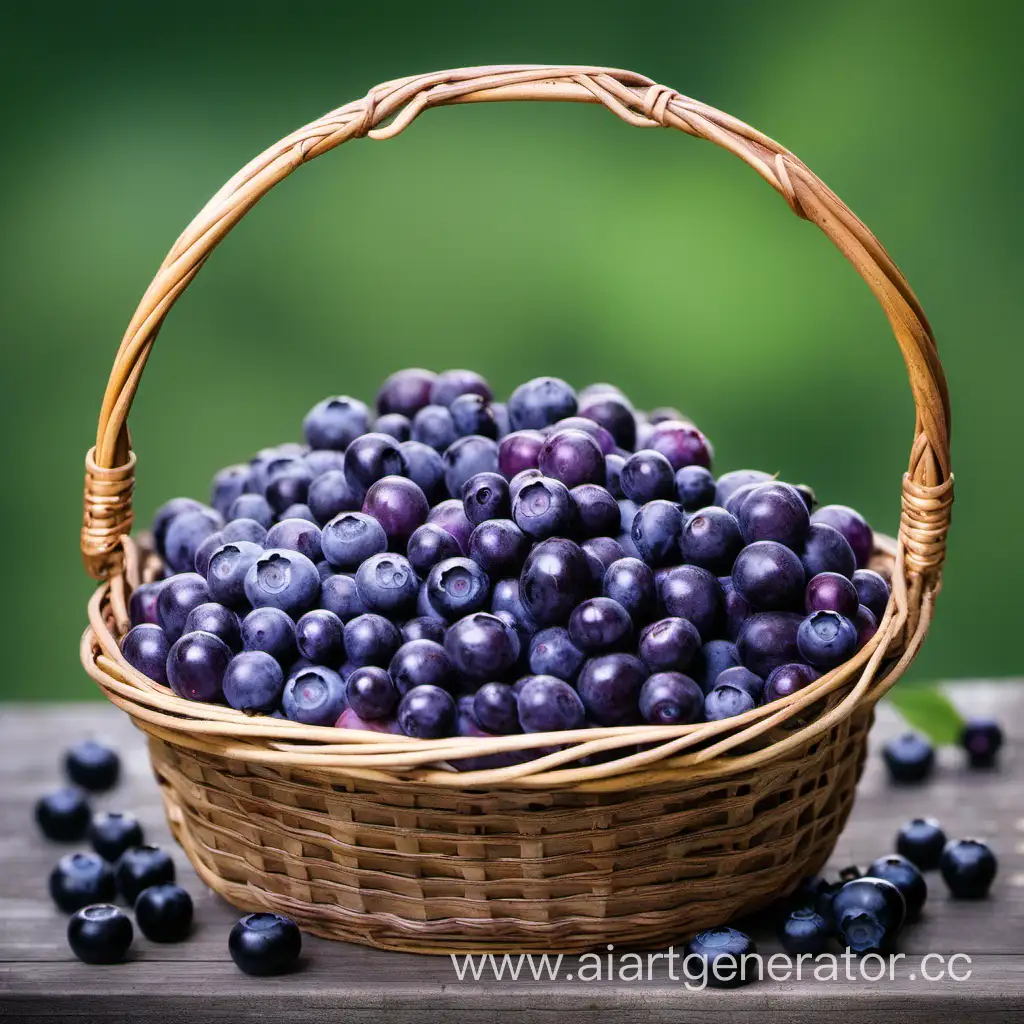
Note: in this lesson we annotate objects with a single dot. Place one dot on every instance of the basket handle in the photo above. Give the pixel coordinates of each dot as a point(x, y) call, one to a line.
point(387, 110)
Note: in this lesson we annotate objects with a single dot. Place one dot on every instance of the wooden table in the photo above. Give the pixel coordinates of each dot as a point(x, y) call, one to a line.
point(196, 981)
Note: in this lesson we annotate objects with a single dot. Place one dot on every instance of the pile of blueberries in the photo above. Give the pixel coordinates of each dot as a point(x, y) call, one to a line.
point(122, 866)
point(460, 566)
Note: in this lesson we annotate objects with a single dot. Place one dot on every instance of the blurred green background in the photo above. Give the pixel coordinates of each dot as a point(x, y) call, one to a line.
point(514, 239)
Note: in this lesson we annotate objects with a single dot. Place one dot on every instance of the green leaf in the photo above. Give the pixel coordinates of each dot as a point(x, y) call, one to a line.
point(929, 710)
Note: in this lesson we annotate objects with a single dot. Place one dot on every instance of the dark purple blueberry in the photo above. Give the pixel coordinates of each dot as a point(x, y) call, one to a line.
point(423, 628)
point(141, 866)
point(499, 547)
point(214, 618)
point(252, 506)
point(166, 514)
point(434, 427)
point(741, 678)
point(485, 496)
point(681, 443)
point(787, 679)
point(555, 579)
point(869, 913)
point(227, 485)
point(774, 511)
point(228, 568)
point(449, 385)
point(573, 457)
point(272, 631)
point(601, 553)
point(827, 550)
point(63, 815)
point(265, 944)
point(647, 475)
point(465, 458)
point(323, 460)
point(319, 636)
point(420, 663)
point(604, 440)
point(670, 698)
point(352, 537)
point(296, 535)
point(314, 696)
point(387, 583)
point(544, 508)
point(600, 624)
point(597, 512)
point(340, 594)
point(609, 687)
point(737, 608)
point(982, 738)
point(767, 640)
point(164, 913)
point(393, 424)
point(669, 645)
point(689, 592)
point(729, 483)
point(330, 495)
point(906, 876)
point(770, 576)
point(185, 534)
point(656, 531)
point(518, 451)
point(371, 694)
point(631, 582)
point(472, 414)
point(694, 488)
point(711, 538)
point(406, 392)
point(371, 640)
point(804, 931)
point(909, 757)
point(613, 412)
point(457, 587)
point(145, 647)
point(427, 712)
point(100, 934)
point(866, 623)
point(831, 592)
point(853, 526)
point(399, 505)
point(178, 596)
point(724, 954)
point(547, 704)
point(968, 867)
point(196, 665)
point(872, 591)
point(480, 646)
point(142, 606)
point(496, 708)
point(450, 515)
point(921, 841)
point(244, 529)
point(253, 682)
point(425, 607)
point(283, 579)
point(827, 639)
point(372, 457)
point(613, 474)
point(735, 502)
point(288, 488)
point(113, 832)
point(506, 597)
point(205, 551)
point(540, 402)
point(552, 653)
point(335, 422)
point(727, 702)
point(79, 879)
point(521, 479)
point(425, 468)
point(429, 545)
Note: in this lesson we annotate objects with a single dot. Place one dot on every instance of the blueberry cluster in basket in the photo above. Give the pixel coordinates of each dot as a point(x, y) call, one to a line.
point(460, 566)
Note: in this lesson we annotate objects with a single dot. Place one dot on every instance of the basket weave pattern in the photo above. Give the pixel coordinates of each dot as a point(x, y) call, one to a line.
point(635, 835)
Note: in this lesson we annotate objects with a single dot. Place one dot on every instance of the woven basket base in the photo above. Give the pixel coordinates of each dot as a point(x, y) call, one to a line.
point(436, 870)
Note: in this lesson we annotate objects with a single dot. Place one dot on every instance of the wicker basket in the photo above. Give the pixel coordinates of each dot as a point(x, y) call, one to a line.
point(635, 836)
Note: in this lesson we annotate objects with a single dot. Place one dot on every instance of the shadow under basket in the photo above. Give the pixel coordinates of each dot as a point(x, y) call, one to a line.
point(637, 836)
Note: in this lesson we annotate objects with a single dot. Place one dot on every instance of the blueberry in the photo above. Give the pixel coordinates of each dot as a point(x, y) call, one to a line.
point(521, 479)
point(214, 618)
point(100, 934)
point(968, 867)
point(394, 425)
point(486, 496)
point(113, 832)
point(352, 537)
point(427, 712)
point(420, 663)
point(555, 578)
point(145, 648)
point(741, 678)
point(681, 443)
point(370, 692)
point(670, 698)
point(399, 505)
point(735, 502)
point(613, 412)
point(472, 414)
point(185, 533)
point(552, 653)
point(826, 639)
point(804, 930)
point(423, 628)
point(289, 487)
point(323, 460)
point(711, 539)
point(506, 597)
point(518, 451)
point(769, 639)
point(272, 631)
point(372, 457)
point(265, 944)
point(228, 483)
point(613, 474)
point(331, 494)
point(909, 757)
point(540, 402)
point(669, 645)
point(827, 550)
point(499, 547)
point(729, 483)
point(142, 604)
point(609, 687)
point(465, 458)
point(689, 592)
point(982, 739)
point(406, 392)
point(787, 679)
point(481, 646)
point(253, 682)
point(456, 587)
point(631, 582)
point(831, 592)
point(736, 607)
point(283, 579)
point(906, 877)
point(339, 594)
point(165, 515)
point(450, 515)
point(387, 583)
point(573, 457)
point(205, 551)
point(774, 512)
point(869, 914)
point(600, 624)
point(244, 529)
point(604, 439)
point(712, 660)
point(872, 591)
point(596, 511)
point(371, 640)
point(164, 913)
point(93, 766)
point(921, 841)
point(656, 531)
point(227, 571)
point(601, 553)
point(852, 525)
point(496, 708)
point(726, 701)
point(63, 815)
point(724, 952)
point(434, 427)
point(79, 879)
point(544, 508)
point(694, 488)
point(252, 506)
point(449, 385)
point(335, 422)
point(547, 704)
point(139, 867)
point(313, 696)
point(425, 468)
point(196, 665)
point(769, 576)
point(429, 545)
point(296, 535)
point(647, 475)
